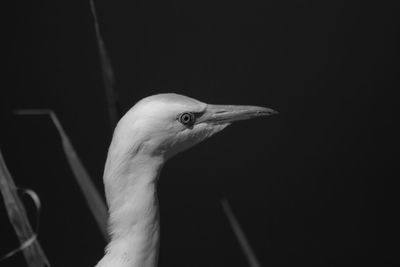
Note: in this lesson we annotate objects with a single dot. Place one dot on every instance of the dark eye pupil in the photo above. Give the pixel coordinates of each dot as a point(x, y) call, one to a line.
point(186, 118)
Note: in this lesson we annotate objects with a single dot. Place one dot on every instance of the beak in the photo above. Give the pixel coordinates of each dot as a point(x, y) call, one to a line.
point(220, 114)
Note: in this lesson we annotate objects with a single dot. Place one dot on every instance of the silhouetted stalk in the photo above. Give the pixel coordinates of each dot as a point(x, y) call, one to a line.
point(93, 198)
point(30, 246)
point(107, 73)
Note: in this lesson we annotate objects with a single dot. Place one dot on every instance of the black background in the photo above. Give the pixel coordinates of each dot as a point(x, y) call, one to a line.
point(309, 186)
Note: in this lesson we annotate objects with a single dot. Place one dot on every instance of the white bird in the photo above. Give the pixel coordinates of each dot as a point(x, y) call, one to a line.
point(150, 133)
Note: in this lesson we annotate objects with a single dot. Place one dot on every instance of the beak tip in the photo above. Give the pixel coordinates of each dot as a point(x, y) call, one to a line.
point(269, 112)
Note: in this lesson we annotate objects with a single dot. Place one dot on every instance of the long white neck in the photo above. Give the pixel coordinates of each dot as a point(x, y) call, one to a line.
point(130, 184)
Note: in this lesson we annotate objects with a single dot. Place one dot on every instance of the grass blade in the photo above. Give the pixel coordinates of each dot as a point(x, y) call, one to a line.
point(30, 246)
point(93, 198)
point(241, 237)
point(107, 71)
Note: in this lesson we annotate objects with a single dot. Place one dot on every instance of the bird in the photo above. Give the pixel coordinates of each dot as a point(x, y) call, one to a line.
point(155, 129)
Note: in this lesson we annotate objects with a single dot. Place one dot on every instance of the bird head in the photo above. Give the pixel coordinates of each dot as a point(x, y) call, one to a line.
point(165, 124)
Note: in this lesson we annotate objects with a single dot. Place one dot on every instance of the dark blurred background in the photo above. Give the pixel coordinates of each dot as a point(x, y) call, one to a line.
point(310, 186)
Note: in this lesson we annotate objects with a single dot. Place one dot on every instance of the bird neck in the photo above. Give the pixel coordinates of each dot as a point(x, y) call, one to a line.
point(130, 186)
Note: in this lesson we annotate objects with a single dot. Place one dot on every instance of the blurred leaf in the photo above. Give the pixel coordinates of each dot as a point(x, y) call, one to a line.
point(30, 246)
point(240, 236)
point(107, 71)
point(92, 196)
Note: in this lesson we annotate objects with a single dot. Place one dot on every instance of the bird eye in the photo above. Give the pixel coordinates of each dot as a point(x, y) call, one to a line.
point(186, 118)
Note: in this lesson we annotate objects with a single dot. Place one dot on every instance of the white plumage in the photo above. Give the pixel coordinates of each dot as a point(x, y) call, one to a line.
point(151, 132)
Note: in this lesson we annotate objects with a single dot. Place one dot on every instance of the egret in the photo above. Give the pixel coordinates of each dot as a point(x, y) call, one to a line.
point(151, 132)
